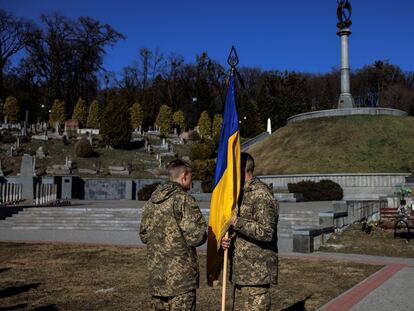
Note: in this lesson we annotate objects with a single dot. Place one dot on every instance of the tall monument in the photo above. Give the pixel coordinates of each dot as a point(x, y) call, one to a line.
point(343, 12)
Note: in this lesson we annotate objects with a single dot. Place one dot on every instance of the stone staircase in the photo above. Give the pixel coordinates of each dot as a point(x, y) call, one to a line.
point(102, 225)
point(117, 222)
point(290, 220)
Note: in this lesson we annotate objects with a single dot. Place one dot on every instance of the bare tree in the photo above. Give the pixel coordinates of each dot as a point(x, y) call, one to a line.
point(13, 32)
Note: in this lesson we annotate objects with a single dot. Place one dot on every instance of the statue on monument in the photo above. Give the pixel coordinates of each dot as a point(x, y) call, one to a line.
point(344, 12)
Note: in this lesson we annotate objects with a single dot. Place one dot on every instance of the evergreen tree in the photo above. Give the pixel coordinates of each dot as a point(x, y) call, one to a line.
point(11, 110)
point(251, 119)
point(116, 126)
point(80, 112)
point(137, 115)
point(204, 125)
point(1, 110)
point(164, 120)
point(179, 120)
point(217, 121)
point(95, 115)
point(58, 113)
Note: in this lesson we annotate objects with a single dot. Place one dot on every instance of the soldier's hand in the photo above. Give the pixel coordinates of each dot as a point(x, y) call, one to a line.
point(225, 243)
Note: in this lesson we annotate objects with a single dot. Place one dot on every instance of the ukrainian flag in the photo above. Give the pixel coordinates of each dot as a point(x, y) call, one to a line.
point(227, 182)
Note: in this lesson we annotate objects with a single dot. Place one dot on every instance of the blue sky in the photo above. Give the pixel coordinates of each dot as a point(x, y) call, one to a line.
point(293, 35)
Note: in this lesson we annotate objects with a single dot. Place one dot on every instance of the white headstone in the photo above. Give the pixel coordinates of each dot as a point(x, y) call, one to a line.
point(269, 126)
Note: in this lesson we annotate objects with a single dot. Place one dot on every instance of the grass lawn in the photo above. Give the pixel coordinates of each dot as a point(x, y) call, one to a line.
point(70, 277)
point(379, 243)
point(352, 144)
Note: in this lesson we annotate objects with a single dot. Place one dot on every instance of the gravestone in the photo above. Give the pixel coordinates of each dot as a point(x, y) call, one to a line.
point(26, 177)
point(67, 185)
point(40, 153)
point(90, 137)
point(1, 170)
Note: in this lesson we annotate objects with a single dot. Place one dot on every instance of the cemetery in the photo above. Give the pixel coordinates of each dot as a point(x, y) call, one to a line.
point(75, 175)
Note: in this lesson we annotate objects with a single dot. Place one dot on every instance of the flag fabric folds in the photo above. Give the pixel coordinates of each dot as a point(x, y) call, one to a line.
point(226, 187)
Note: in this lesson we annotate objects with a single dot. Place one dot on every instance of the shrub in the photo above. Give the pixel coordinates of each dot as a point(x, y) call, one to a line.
point(217, 121)
point(204, 125)
point(83, 148)
point(179, 120)
point(7, 138)
point(11, 109)
point(325, 190)
point(204, 170)
point(203, 151)
point(144, 194)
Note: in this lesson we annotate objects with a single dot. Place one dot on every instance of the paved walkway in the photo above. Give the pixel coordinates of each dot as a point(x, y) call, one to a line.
point(389, 289)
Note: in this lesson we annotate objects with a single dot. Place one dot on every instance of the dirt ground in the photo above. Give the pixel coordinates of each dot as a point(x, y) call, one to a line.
point(379, 242)
point(71, 277)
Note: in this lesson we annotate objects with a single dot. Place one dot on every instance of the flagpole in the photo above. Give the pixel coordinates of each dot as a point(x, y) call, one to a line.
point(232, 60)
point(224, 283)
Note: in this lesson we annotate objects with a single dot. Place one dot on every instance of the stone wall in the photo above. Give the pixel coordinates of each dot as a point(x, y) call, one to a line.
point(355, 186)
point(346, 112)
point(99, 188)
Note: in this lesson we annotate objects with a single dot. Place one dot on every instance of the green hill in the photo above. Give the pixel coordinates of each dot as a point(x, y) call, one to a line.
point(354, 144)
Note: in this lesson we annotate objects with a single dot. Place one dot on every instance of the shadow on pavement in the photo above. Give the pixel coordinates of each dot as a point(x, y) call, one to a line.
point(297, 306)
point(4, 269)
point(16, 307)
point(16, 290)
point(47, 308)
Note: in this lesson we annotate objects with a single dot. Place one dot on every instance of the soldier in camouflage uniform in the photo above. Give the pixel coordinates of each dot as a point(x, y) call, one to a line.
point(172, 226)
point(255, 262)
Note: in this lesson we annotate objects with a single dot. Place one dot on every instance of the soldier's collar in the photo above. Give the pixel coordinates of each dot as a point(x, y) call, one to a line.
point(248, 183)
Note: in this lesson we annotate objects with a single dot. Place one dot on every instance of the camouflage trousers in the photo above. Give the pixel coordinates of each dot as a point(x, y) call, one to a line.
point(252, 298)
point(183, 302)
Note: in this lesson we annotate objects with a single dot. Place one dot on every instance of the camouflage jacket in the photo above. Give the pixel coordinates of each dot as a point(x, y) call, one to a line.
point(172, 226)
point(255, 259)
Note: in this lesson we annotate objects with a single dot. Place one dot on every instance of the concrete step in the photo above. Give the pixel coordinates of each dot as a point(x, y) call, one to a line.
point(64, 213)
point(67, 223)
point(74, 217)
point(117, 237)
point(69, 227)
point(294, 227)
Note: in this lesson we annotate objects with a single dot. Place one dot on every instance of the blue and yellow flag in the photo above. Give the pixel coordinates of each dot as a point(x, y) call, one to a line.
point(226, 187)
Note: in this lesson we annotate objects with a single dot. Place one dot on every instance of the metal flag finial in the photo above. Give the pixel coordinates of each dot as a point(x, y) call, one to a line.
point(233, 59)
